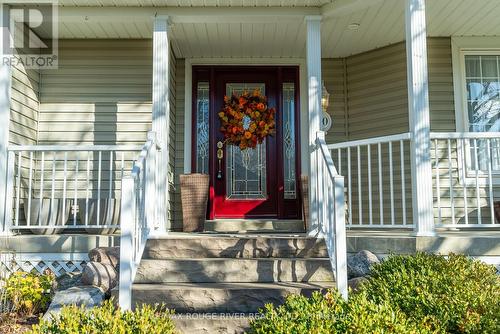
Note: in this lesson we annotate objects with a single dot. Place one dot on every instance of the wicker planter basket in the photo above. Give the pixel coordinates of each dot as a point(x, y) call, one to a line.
point(194, 199)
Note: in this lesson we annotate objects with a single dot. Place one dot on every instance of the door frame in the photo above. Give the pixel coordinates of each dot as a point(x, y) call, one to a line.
point(285, 208)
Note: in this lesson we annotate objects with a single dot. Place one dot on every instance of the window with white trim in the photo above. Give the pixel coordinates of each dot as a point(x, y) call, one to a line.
point(482, 78)
point(481, 74)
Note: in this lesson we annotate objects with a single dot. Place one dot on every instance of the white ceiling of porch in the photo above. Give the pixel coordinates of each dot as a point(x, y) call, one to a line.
point(380, 24)
point(196, 3)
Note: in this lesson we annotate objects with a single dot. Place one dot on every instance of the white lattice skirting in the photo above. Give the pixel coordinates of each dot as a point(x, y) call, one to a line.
point(58, 263)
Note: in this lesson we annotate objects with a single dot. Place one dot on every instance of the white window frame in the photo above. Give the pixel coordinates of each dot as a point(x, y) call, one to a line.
point(461, 47)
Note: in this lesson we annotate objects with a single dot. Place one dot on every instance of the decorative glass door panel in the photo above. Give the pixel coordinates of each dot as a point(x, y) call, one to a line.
point(245, 169)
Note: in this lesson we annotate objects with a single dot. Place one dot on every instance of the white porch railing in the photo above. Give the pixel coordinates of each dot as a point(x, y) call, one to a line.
point(331, 212)
point(378, 185)
point(138, 216)
point(466, 178)
point(54, 181)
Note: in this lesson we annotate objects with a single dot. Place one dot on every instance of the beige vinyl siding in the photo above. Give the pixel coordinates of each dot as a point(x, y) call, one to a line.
point(441, 95)
point(377, 105)
point(24, 106)
point(179, 141)
point(172, 137)
point(333, 74)
point(377, 93)
point(101, 93)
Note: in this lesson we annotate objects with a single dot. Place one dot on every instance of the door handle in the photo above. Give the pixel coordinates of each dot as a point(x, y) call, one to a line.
point(220, 156)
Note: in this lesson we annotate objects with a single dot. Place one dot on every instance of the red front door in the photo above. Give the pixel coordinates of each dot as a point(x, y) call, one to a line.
point(250, 183)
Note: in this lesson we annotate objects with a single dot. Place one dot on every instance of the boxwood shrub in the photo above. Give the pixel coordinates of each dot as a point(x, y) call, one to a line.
point(451, 295)
point(420, 294)
point(107, 319)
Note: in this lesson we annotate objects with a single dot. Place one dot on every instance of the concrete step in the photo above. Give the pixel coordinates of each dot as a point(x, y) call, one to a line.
point(201, 246)
point(218, 323)
point(221, 270)
point(220, 297)
point(254, 225)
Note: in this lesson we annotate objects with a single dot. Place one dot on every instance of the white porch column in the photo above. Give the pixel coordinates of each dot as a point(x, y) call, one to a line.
point(161, 112)
point(418, 103)
point(313, 49)
point(5, 84)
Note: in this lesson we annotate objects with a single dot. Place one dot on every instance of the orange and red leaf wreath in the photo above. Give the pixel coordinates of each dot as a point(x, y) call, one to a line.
point(246, 120)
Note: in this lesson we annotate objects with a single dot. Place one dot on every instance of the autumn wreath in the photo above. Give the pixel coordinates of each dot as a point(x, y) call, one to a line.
point(246, 120)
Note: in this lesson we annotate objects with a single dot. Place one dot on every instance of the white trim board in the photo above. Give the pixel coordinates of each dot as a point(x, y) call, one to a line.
point(304, 123)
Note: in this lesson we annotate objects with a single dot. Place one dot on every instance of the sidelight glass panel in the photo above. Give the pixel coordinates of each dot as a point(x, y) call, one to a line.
point(246, 170)
point(289, 155)
point(202, 110)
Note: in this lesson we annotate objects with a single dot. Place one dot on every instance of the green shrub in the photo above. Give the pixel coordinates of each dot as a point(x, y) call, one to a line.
point(366, 317)
point(451, 295)
point(108, 319)
point(319, 314)
point(29, 293)
point(419, 294)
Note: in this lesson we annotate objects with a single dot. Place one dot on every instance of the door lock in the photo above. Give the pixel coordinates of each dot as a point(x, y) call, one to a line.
point(220, 156)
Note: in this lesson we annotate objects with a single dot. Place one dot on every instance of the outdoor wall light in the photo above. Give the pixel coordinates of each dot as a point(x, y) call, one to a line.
point(326, 120)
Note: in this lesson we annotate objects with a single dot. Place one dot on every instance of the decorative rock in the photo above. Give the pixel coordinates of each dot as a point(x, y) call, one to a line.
point(106, 255)
point(355, 283)
point(88, 296)
point(101, 275)
point(360, 264)
point(67, 280)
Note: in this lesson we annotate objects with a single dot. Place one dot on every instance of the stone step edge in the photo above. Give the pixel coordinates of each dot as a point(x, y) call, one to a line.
point(242, 259)
point(236, 285)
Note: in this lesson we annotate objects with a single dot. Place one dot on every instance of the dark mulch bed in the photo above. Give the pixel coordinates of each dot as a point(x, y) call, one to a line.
point(13, 323)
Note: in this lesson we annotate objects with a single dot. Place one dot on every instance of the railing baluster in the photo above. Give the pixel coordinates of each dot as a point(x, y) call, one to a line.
point(391, 184)
point(88, 190)
point(122, 165)
point(10, 191)
point(350, 184)
point(478, 199)
point(53, 190)
point(490, 182)
point(30, 175)
point(438, 188)
point(98, 217)
point(403, 186)
point(450, 179)
point(42, 167)
point(64, 186)
point(320, 190)
point(464, 187)
point(380, 189)
point(18, 187)
point(326, 198)
point(339, 153)
point(360, 194)
point(110, 175)
point(75, 195)
point(370, 204)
